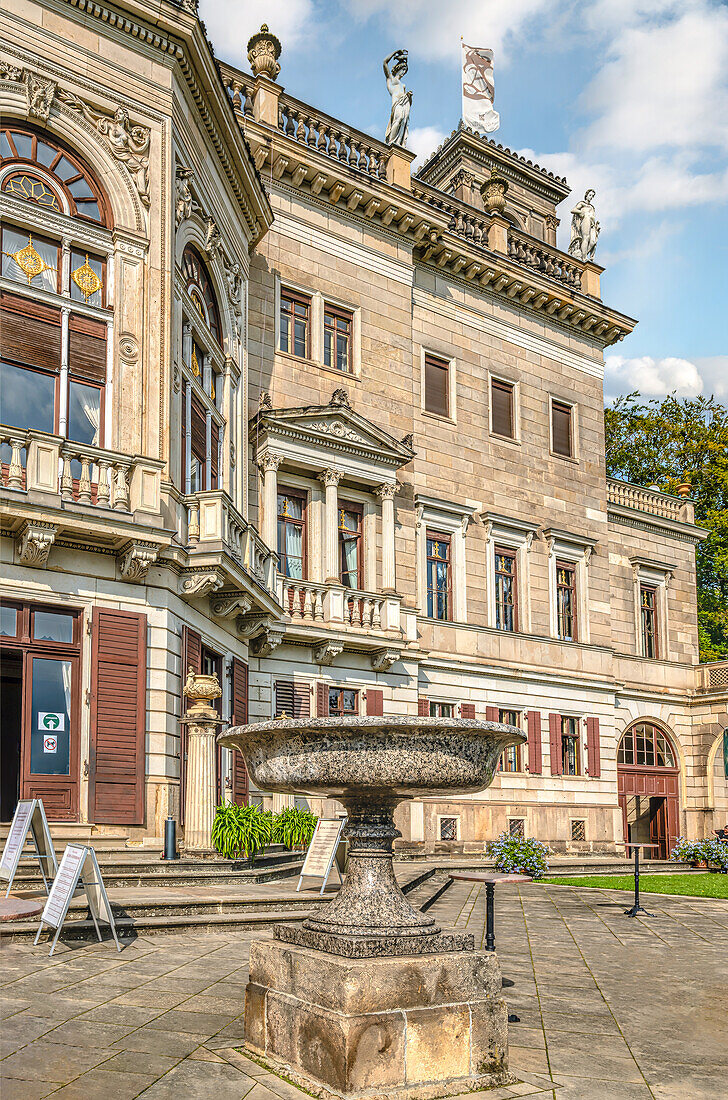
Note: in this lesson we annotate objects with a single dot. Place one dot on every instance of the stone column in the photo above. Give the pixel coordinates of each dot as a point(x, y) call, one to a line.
point(386, 494)
point(331, 478)
point(202, 722)
point(269, 465)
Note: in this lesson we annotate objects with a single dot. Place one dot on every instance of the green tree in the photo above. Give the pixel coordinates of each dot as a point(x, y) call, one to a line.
point(668, 442)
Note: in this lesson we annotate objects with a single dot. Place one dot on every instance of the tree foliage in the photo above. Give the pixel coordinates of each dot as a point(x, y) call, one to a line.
point(668, 442)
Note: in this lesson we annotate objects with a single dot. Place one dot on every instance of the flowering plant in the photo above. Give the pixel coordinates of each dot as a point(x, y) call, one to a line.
point(716, 852)
point(689, 851)
point(519, 855)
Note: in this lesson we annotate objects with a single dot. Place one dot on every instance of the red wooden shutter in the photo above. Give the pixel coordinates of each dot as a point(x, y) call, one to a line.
point(118, 717)
point(291, 699)
point(561, 425)
point(239, 718)
point(423, 707)
point(492, 714)
point(375, 702)
point(533, 719)
point(322, 700)
point(191, 659)
point(467, 710)
point(593, 747)
point(555, 739)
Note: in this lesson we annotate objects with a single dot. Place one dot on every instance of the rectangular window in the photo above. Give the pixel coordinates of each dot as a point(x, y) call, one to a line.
point(50, 729)
point(338, 324)
point(437, 385)
point(570, 746)
point(441, 710)
point(439, 582)
point(505, 589)
point(578, 830)
point(562, 442)
point(350, 545)
point(517, 827)
point(511, 760)
point(566, 601)
point(28, 398)
point(85, 407)
point(648, 605)
point(448, 828)
point(8, 621)
point(343, 701)
point(295, 324)
point(88, 278)
point(502, 419)
point(29, 260)
point(291, 534)
point(53, 626)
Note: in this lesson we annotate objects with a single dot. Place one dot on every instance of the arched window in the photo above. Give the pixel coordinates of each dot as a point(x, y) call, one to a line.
point(38, 170)
point(199, 288)
point(646, 746)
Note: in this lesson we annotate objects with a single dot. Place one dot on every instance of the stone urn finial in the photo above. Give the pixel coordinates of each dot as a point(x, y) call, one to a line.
point(264, 49)
point(200, 689)
point(684, 489)
point(494, 192)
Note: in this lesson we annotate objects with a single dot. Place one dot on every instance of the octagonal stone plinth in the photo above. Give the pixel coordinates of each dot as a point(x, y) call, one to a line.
point(406, 1028)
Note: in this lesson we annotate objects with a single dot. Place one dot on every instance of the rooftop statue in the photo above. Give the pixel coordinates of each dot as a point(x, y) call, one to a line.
point(398, 127)
point(584, 228)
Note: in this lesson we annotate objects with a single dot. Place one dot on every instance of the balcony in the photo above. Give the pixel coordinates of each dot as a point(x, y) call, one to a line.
point(636, 506)
point(713, 678)
point(92, 497)
point(332, 618)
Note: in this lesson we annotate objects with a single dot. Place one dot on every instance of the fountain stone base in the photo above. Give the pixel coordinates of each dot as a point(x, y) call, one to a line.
point(405, 1027)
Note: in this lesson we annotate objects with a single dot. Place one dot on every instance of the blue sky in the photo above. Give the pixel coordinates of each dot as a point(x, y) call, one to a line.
point(627, 96)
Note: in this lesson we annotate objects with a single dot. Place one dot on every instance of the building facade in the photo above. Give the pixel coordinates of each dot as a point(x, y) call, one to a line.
point(276, 407)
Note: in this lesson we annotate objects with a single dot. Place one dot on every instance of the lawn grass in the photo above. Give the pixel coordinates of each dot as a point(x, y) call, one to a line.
point(693, 885)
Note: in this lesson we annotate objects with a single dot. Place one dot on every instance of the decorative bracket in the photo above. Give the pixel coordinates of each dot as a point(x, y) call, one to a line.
point(228, 603)
point(135, 559)
point(196, 583)
point(34, 543)
point(263, 644)
point(325, 653)
point(383, 659)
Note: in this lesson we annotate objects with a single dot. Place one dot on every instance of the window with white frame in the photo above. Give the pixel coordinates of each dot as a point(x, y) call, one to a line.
point(441, 569)
point(315, 327)
point(503, 408)
point(651, 580)
point(569, 557)
point(508, 545)
point(511, 760)
point(563, 428)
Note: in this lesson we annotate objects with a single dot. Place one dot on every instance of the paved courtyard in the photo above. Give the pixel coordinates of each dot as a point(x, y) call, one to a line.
point(610, 1008)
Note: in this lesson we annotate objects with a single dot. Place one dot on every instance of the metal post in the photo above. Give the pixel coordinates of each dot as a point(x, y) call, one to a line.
point(170, 839)
point(637, 879)
point(489, 916)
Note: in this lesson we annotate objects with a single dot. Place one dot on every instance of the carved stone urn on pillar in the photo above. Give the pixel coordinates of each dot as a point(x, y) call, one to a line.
point(202, 721)
point(494, 193)
point(264, 49)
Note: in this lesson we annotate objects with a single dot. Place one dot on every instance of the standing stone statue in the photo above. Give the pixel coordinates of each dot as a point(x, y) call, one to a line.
point(401, 99)
point(584, 228)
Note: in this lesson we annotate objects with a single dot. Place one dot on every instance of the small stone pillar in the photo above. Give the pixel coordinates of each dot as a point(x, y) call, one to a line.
point(202, 721)
point(269, 465)
point(331, 479)
point(493, 191)
point(590, 279)
point(386, 494)
point(399, 167)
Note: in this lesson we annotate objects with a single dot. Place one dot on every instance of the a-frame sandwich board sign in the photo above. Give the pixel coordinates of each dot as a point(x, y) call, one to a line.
point(321, 855)
point(79, 870)
point(29, 817)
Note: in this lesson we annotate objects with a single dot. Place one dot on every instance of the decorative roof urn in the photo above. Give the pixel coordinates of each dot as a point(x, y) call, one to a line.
point(264, 49)
point(494, 193)
point(200, 690)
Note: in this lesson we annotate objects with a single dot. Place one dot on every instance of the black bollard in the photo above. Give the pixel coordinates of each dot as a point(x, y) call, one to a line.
point(170, 839)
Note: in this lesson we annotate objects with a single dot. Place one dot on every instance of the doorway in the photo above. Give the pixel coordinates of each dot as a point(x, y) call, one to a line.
point(647, 782)
point(11, 730)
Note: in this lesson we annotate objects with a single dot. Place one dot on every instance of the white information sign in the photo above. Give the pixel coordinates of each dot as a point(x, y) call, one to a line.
point(321, 855)
point(29, 817)
point(79, 869)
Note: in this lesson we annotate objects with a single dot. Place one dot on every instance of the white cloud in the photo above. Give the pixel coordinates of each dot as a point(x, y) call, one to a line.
point(423, 140)
point(229, 27)
point(714, 372)
point(652, 377)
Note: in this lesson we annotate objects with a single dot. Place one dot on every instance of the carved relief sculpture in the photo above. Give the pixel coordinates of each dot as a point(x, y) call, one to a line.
point(126, 142)
point(584, 228)
point(184, 201)
point(398, 127)
point(40, 93)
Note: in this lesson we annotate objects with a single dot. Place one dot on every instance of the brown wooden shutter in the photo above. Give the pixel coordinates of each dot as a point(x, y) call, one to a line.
point(467, 710)
point(118, 717)
point(436, 386)
point(291, 699)
point(214, 453)
point(198, 429)
point(239, 718)
point(423, 707)
point(191, 659)
point(555, 741)
point(533, 718)
point(593, 747)
point(492, 714)
point(30, 333)
point(322, 700)
point(87, 348)
point(375, 702)
point(501, 395)
point(561, 428)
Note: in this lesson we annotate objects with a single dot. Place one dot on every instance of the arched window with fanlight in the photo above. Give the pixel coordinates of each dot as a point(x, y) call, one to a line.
point(203, 424)
point(55, 310)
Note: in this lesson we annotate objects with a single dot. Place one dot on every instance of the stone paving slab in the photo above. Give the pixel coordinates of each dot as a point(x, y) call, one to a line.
point(610, 1008)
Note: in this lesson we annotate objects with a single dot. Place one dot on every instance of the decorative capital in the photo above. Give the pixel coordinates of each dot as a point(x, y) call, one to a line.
point(387, 491)
point(263, 644)
point(270, 461)
point(34, 542)
point(200, 582)
point(135, 559)
point(325, 653)
point(264, 49)
point(383, 659)
point(330, 476)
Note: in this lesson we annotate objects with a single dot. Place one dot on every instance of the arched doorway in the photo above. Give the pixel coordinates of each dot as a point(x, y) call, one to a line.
point(647, 782)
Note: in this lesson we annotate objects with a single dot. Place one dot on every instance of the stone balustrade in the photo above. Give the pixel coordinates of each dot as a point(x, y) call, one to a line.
point(655, 503)
point(315, 602)
point(364, 610)
point(212, 518)
point(463, 220)
point(713, 676)
point(329, 136)
point(544, 259)
point(303, 599)
point(240, 89)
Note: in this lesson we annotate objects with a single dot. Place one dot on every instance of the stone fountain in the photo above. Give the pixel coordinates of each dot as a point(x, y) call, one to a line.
point(370, 998)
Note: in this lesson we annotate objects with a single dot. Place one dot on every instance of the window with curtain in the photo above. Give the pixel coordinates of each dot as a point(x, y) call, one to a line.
point(439, 581)
point(566, 601)
point(511, 760)
point(30, 259)
point(505, 589)
point(350, 572)
point(648, 611)
point(338, 325)
point(570, 756)
point(84, 413)
point(441, 710)
point(291, 530)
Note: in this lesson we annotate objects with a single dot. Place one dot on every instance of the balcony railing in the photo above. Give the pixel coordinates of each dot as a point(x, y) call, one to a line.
point(544, 259)
point(79, 473)
point(212, 519)
point(652, 501)
point(713, 676)
point(313, 602)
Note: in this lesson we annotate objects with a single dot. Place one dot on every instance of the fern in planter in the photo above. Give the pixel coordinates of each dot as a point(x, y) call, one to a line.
point(293, 827)
point(240, 830)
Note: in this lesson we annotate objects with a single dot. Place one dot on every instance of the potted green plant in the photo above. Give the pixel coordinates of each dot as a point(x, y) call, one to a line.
point(293, 827)
point(241, 830)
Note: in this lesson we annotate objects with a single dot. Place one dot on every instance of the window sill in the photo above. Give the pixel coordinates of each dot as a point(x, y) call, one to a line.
point(437, 416)
point(498, 438)
point(300, 360)
point(564, 458)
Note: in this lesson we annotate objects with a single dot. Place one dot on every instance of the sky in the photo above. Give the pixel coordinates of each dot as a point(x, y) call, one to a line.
point(629, 97)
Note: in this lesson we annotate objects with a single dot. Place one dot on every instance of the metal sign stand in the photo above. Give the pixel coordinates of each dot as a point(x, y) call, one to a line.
point(321, 855)
point(79, 864)
point(30, 817)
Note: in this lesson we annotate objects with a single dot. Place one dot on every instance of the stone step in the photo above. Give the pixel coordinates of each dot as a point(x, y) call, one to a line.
point(194, 874)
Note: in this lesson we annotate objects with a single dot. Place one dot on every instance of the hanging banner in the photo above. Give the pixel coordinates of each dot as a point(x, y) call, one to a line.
point(29, 817)
point(479, 90)
point(79, 865)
